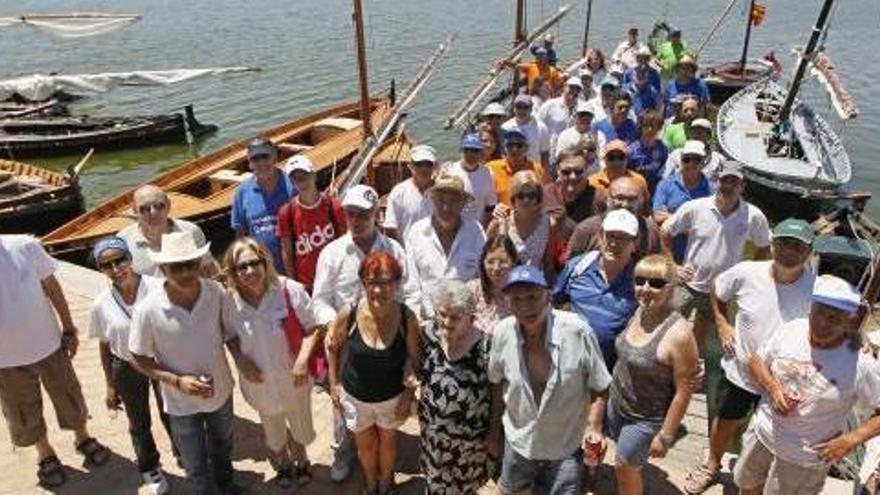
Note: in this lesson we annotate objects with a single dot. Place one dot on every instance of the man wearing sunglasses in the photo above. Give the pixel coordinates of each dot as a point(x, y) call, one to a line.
point(718, 228)
point(152, 208)
point(570, 198)
point(408, 201)
point(698, 130)
point(536, 133)
point(258, 199)
point(768, 294)
point(177, 338)
point(515, 160)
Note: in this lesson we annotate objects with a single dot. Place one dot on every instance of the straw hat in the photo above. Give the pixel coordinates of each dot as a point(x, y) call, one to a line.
point(178, 247)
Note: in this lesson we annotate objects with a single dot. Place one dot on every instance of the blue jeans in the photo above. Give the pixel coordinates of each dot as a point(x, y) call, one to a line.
point(201, 437)
point(558, 477)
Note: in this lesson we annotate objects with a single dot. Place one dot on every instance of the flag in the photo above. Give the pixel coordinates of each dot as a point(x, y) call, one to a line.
point(758, 14)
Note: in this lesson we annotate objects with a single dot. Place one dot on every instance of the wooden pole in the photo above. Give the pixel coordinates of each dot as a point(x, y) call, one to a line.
point(362, 68)
point(587, 28)
point(745, 53)
point(518, 37)
point(806, 56)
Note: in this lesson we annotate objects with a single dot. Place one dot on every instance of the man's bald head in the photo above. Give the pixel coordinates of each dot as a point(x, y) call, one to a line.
point(151, 205)
point(624, 192)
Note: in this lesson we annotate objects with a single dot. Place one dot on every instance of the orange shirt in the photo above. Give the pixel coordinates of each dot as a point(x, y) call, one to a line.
point(550, 74)
point(502, 174)
point(600, 182)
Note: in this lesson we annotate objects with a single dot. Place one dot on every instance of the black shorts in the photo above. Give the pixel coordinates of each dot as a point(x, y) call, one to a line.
point(733, 401)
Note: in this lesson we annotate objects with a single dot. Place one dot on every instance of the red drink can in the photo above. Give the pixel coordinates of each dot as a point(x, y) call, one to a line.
point(593, 450)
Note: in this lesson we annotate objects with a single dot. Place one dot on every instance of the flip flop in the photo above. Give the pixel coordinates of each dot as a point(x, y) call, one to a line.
point(95, 453)
point(700, 479)
point(51, 473)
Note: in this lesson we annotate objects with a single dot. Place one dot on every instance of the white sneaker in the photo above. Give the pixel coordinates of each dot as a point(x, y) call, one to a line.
point(341, 467)
point(155, 482)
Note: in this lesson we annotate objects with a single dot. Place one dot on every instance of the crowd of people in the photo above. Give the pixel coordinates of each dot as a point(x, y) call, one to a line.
point(556, 287)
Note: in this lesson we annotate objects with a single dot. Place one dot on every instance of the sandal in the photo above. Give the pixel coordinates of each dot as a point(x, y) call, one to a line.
point(700, 479)
point(95, 453)
point(303, 473)
point(51, 473)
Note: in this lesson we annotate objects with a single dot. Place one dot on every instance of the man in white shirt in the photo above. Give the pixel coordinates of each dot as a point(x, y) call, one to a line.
point(717, 227)
point(811, 375)
point(480, 183)
point(556, 113)
point(444, 245)
point(767, 294)
point(177, 338)
point(35, 351)
point(536, 133)
point(408, 201)
point(151, 205)
point(626, 51)
point(337, 283)
point(579, 134)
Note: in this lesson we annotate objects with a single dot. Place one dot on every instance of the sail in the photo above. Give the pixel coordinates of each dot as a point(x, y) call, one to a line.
point(38, 87)
point(73, 25)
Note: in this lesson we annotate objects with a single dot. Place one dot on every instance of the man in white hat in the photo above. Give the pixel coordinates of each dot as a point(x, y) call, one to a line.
point(446, 244)
point(699, 130)
point(811, 375)
point(307, 223)
point(556, 113)
point(177, 338)
point(408, 201)
point(626, 51)
point(536, 133)
point(337, 283)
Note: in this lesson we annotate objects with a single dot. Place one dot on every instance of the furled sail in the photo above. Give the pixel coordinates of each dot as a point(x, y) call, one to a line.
point(73, 25)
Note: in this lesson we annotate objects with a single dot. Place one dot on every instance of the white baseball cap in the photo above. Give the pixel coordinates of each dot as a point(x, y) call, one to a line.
point(361, 196)
point(494, 108)
point(574, 81)
point(584, 106)
point(837, 293)
point(694, 147)
point(423, 153)
point(621, 221)
point(702, 123)
point(298, 162)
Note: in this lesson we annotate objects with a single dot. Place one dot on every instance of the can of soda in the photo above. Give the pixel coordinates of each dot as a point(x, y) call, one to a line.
point(207, 380)
point(593, 450)
point(794, 399)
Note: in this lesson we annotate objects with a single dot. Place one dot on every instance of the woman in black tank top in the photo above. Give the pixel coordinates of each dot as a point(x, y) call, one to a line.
point(373, 350)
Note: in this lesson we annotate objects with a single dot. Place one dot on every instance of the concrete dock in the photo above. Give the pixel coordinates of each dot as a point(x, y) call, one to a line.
point(120, 476)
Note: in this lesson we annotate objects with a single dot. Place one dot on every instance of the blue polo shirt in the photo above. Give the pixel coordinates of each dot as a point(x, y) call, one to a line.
point(674, 89)
point(671, 193)
point(606, 306)
point(653, 78)
point(257, 212)
point(645, 99)
point(627, 131)
point(648, 160)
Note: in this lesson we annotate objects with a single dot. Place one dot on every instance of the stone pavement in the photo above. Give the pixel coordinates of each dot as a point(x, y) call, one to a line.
point(120, 476)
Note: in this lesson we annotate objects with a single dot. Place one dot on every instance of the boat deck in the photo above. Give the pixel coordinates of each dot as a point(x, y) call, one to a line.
point(120, 476)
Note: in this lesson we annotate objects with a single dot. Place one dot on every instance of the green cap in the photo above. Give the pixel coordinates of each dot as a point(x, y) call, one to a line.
point(796, 229)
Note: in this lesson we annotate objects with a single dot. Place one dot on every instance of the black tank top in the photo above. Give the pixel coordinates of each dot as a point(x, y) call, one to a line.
point(374, 375)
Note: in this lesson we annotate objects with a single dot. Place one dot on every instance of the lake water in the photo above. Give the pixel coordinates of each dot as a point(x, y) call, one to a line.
point(305, 49)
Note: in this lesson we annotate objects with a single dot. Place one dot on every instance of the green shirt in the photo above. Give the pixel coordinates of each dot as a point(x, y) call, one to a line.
point(674, 136)
point(669, 55)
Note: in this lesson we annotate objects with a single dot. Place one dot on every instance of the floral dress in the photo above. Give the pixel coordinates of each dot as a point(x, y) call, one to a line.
point(454, 415)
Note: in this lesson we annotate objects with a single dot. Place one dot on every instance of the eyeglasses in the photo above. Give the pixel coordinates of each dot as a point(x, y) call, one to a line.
point(244, 265)
point(654, 283)
point(151, 207)
point(184, 266)
point(114, 263)
point(575, 172)
point(529, 196)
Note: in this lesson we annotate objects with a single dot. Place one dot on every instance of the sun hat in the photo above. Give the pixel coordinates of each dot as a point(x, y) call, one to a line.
point(621, 221)
point(298, 162)
point(795, 228)
point(574, 81)
point(584, 106)
point(494, 108)
point(644, 51)
point(360, 196)
point(617, 145)
point(450, 181)
point(837, 293)
point(525, 275)
point(108, 243)
point(694, 147)
point(423, 153)
point(178, 247)
point(687, 59)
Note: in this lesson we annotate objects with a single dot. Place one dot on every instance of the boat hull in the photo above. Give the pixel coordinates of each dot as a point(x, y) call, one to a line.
point(725, 80)
point(35, 200)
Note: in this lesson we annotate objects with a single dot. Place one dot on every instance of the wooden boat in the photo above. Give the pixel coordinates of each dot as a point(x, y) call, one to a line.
point(48, 108)
point(201, 190)
point(34, 200)
point(27, 138)
point(725, 79)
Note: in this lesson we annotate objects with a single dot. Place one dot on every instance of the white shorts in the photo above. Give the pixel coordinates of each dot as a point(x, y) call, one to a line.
point(296, 423)
point(362, 415)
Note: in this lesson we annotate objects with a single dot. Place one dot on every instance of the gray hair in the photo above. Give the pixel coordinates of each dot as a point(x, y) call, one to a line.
point(456, 294)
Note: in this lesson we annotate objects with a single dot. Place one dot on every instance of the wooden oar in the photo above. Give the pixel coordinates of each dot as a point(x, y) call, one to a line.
point(74, 171)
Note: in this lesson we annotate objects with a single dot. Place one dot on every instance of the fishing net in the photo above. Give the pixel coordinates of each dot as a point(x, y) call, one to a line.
point(72, 25)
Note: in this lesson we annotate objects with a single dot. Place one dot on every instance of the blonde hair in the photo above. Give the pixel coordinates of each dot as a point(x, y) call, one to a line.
point(657, 266)
point(525, 179)
point(235, 250)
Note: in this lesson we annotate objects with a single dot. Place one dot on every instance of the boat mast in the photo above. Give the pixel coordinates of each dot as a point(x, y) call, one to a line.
point(362, 68)
point(587, 28)
point(806, 56)
point(519, 35)
point(742, 60)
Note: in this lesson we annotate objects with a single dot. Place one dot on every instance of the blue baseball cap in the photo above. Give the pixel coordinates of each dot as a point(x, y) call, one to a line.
point(514, 135)
point(525, 275)
point(471, 142)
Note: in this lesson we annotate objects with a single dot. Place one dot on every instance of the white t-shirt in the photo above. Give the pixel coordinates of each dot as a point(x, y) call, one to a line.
point(110, 319)
point(763, 306)
point(262, 338)
point(29, 331)
point(482, 187)
point(429, 263)
point(406, 205)
point(570, 137)
point(536, 133)
point(140, 246)
point(625, 53)
point(829, 383)
point(715, 242)
point(556, 116)
point(188, 343)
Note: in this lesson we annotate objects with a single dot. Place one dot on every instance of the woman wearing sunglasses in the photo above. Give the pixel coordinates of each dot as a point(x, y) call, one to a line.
point(272, 308)
point(653, 379)
point(127, 388)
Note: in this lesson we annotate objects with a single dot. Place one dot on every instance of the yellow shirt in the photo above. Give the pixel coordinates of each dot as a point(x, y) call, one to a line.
point(502, 174)
point(550, 74)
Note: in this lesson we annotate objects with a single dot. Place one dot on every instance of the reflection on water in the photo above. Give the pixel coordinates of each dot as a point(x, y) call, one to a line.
point(305, 48)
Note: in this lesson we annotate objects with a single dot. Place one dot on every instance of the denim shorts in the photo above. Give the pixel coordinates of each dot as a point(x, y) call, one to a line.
point(521, 475)
point(632, 436)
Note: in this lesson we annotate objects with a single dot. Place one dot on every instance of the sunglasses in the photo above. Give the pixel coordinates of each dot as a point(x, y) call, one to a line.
point(244, 265)
point(114, 263)
point(615, 158)
point(529, 196)
point(151, 207)
point(654, 283)
point(184, 266)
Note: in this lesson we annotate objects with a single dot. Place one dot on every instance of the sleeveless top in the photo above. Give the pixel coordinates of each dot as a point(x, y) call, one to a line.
point(531, 249)
point(642, 387)
point(374, 375)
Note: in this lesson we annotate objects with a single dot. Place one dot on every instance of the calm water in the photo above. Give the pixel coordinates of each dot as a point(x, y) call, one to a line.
point(306, 51)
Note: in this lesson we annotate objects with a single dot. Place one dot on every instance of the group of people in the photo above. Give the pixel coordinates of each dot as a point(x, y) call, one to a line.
point(557, 286)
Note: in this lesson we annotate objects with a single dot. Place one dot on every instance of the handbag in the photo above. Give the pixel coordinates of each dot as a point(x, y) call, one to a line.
point(295, 334)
